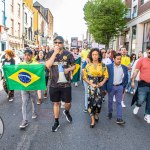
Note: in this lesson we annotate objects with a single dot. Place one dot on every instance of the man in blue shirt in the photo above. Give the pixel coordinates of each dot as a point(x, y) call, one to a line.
point(118, 79)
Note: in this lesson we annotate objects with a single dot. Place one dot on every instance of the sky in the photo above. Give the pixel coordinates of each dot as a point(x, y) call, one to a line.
point(68, 17)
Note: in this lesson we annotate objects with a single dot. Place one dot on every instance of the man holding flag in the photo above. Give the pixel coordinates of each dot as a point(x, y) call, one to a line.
point(27, 77)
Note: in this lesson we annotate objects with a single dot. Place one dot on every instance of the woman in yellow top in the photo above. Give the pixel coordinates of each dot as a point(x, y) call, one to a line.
point(95, 74)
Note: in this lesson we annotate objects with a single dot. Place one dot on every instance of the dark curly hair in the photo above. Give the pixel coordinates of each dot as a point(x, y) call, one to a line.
point(99, 53)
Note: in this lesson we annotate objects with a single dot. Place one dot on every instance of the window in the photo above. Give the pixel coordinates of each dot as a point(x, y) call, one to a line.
point(31, 22)
point(133, 42)
point(19, 30)
point(25, 17)
point(3, 18)
point(146, 41)
point(134, 14)
point(12, 27)
point(12, 6)
point(18, 10)
point(144, 1)
point(26, 32)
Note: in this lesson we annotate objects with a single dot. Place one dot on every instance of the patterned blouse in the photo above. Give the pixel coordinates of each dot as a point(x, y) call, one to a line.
point(99, 71)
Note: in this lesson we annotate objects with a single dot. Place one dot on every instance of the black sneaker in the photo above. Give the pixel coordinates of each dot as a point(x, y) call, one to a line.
point(103, 99)
point(120, 121)
point(109, 115)
point(55, 126)
point(68, 116)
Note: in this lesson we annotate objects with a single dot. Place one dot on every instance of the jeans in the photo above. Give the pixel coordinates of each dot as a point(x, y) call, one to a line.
point(85, 95)
point(118, 92)
point(144, 96)
point(26, 95)
point(128, 87)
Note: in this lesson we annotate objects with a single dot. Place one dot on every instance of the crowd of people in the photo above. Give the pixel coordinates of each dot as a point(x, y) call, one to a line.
point(103, 72)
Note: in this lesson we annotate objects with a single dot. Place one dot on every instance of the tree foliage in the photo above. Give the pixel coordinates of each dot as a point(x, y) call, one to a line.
point(105, 19)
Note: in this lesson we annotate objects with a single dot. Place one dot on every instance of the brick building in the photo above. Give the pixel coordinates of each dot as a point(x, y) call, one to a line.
point(137, 33)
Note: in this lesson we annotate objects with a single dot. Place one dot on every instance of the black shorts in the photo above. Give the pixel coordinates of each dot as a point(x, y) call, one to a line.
point(60, 94)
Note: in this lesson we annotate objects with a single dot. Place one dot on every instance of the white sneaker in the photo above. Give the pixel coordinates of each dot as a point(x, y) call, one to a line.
point(135, 110)
point(148, 119)
point(123, 105)
point(114, 99)
point(145, 118)
point(76, 84)
point(132, 92)
point(126, 91)
point(34, 116)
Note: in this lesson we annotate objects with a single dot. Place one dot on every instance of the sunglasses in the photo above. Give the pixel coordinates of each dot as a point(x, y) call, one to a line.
point(148, 52)
point(57, 42)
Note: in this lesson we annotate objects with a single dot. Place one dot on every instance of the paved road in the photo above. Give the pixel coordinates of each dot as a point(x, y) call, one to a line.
point(107, 135)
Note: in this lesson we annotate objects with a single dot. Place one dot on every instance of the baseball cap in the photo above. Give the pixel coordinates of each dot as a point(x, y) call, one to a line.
point(60, 38)
point(28, 51)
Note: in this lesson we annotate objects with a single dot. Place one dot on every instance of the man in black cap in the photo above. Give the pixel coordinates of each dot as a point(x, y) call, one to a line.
point(60, 62)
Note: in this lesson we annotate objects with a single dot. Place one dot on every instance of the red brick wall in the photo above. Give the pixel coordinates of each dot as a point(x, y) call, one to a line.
point(143, 8)
point(128, 3)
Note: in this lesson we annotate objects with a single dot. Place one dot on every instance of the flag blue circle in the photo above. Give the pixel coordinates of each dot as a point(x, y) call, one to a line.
point(24, 77)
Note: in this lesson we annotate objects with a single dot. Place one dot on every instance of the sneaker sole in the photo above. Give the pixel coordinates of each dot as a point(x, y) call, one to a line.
point(66, 117)
point(11, 100)
point(24, 126)
point(34, 117)
point(55, 129)
point(120, 123)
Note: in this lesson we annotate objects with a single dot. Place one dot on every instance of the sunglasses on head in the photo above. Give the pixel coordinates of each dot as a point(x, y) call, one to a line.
point(57, 42)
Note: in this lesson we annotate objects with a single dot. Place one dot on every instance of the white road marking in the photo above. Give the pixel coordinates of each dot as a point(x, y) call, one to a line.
point(26, 139)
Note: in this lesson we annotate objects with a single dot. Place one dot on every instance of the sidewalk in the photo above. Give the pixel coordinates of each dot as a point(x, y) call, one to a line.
point(1, 85)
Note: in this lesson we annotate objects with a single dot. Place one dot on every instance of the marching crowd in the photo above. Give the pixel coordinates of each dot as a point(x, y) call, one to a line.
point(103, 72)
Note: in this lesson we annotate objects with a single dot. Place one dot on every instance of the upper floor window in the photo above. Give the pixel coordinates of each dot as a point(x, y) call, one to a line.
point(31, 22)
point(3, 18)
point(25, 17)
point(144, 1)
point(12, 6)
point(18, 10)
point(134, 14)
point(18, 29)
point(12, 27)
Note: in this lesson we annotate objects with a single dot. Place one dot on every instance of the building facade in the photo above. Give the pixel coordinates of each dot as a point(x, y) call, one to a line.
point(23, 24)
point(137, 33)
point(44, 26)
point(3, 29)
point(11, 24)
point(28, 24)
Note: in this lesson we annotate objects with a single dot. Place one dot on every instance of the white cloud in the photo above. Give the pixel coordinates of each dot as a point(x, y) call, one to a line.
point(68, 17)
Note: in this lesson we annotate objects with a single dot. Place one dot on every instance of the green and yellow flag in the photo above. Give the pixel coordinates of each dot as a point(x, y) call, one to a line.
point(76, 72)
point(25, 77)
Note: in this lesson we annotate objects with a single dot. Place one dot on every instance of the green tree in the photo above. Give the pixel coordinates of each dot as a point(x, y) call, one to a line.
point(105, 19)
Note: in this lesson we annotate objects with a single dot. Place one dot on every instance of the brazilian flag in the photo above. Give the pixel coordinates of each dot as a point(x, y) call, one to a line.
point(76, 72)
point(25, 77)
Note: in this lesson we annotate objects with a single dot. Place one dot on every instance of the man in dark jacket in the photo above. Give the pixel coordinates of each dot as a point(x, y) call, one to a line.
point(118, 79)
